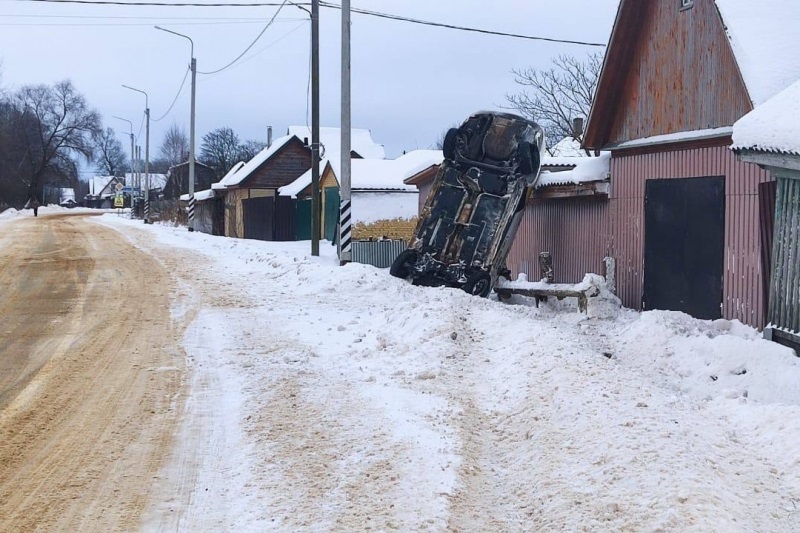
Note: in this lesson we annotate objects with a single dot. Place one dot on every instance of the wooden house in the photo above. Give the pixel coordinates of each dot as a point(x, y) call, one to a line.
point(253, 207)
point(769, 136)
point(682, 216)
point(177, 182)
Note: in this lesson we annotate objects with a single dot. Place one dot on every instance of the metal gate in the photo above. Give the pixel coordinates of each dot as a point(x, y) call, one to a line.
point(684, 245)
point(257, 218)
point(303, 220)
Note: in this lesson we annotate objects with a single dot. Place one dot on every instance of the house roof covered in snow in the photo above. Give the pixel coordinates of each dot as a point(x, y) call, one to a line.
point(773, 126)
point(374, 174)
point(157, 181)
point(586, 170)
point(360, 142)
point(100, 185)
point(764, 39)
point(567, 147)
point(201, 196)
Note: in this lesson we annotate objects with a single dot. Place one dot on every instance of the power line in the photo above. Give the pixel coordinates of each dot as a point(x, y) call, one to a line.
point(250, 45)
point(454, 27)
point(180, 89)
point(330, 6)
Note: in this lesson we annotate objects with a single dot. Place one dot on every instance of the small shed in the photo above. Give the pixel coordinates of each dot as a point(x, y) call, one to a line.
point(209, 212)
point(769, 136)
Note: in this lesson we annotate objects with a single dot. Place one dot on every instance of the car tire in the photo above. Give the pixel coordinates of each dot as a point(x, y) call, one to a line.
point(449, 144)
point(478, 284)
point(528, 157)
point(400, 268)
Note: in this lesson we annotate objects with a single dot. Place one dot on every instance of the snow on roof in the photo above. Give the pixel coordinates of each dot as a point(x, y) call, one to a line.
point(98, 183)
point(772, 126)
point(201, 196)
point(388, 174)
point(374, 174)
point(227, 177)
point(764, 39)
point(235, 178)
point(157, 181)
point(294, 188)
point(361, 142)
point(567, 147)
point(587, 169)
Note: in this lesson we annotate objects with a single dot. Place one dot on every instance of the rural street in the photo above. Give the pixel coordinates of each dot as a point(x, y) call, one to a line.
point(91, 374)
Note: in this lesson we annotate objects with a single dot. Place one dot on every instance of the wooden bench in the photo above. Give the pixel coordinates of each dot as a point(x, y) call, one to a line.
point(542, 290)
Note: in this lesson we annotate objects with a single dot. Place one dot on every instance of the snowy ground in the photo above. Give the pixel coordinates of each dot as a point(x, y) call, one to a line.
point(329, 398)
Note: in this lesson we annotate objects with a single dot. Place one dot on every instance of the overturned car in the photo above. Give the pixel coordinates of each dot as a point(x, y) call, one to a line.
point(475, 204)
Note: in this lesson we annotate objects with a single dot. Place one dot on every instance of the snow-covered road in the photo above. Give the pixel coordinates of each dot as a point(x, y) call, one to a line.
point(327, 398)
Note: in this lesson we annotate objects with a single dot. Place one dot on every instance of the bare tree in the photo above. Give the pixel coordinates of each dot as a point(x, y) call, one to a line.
point(175, 147)
point(57, 124)
point(220, 149)
point(558, 95)
point(109, 155)
point(249, 149)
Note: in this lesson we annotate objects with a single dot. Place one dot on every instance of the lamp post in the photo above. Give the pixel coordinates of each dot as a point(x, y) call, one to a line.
point(146, 154)
point(193, 66)
point(133, 152)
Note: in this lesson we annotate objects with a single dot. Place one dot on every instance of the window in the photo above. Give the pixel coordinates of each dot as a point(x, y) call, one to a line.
point(686, 4)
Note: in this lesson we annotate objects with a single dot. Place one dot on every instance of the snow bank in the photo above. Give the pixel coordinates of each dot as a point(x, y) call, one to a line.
point(586, 169)
point(354, 400)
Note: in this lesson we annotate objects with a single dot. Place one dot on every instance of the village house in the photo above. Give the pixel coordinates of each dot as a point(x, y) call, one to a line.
point(383, 205)
point(681, 216)
point(254, 209)
point(177, 182)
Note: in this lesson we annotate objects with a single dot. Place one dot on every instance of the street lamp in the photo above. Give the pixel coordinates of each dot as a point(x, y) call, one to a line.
point(146, 154)
point(133, 153)
point(193, 66)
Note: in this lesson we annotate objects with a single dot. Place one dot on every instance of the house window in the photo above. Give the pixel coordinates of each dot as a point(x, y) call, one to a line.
point(686, 4)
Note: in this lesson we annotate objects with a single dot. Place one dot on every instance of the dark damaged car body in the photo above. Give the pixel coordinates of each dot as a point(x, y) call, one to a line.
point(475, 204)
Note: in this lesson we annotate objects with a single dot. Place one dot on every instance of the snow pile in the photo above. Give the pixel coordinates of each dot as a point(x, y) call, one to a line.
point(567, 147)
point(772, 126)
point(369, 207)
point(340, 398)
point(10, 213)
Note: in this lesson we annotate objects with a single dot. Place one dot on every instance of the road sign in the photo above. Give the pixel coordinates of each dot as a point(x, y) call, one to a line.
point(119, 186)
point(119, 201)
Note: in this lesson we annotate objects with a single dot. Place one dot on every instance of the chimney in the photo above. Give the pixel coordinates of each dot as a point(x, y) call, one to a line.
point(577, 127)
point(269, 136)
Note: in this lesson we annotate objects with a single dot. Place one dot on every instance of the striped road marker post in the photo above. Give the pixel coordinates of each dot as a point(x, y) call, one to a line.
point(191, 212)
point(345, 232)
point(147, 211)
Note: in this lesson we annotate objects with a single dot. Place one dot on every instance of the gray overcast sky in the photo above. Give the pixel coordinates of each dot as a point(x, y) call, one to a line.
point(409, 82)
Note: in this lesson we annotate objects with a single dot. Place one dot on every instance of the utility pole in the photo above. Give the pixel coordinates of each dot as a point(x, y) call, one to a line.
point(191, 143)
point(133, 148)
point(315, 199)
point(193, 66)
point(345, 219)
point(146, 154)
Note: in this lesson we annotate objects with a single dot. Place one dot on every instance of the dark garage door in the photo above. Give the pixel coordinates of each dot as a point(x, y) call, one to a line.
point(258, 218)
point(684, 245)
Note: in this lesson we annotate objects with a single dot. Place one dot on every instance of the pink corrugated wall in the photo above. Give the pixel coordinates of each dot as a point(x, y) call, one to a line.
point(580, 232)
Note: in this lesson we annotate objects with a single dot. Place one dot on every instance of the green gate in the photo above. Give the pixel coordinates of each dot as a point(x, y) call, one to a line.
point(331, 212)
point(303, 220)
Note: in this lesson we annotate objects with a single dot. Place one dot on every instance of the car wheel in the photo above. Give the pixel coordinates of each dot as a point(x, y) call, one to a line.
point(401, 265)
point(449, 144)
point(478, 284)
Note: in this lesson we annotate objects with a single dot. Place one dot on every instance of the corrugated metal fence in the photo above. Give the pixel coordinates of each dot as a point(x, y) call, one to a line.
point(377, 253)
point(784, 298)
